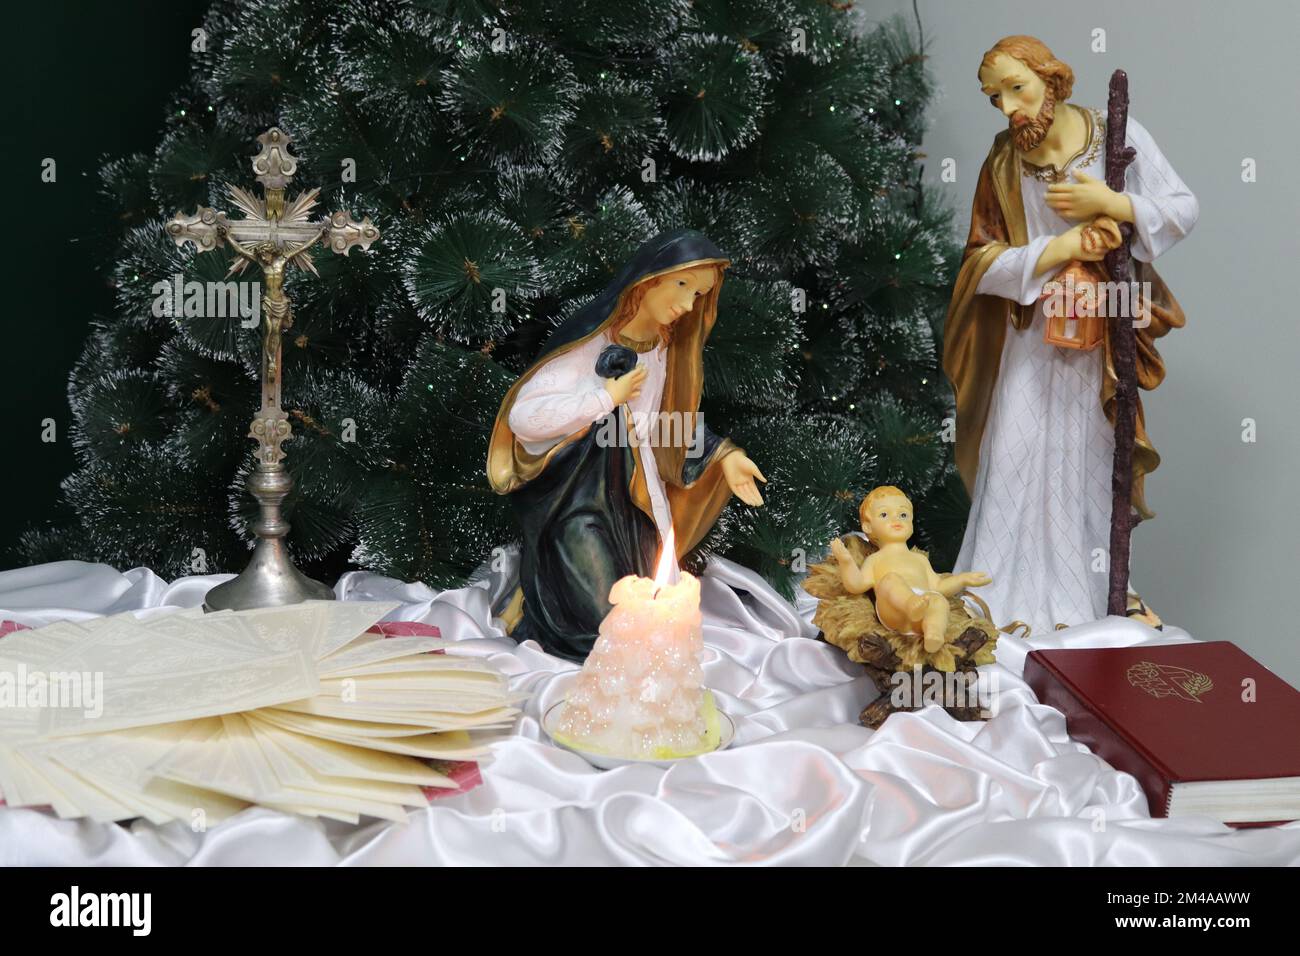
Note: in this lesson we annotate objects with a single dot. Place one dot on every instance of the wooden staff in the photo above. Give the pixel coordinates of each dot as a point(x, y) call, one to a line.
point(1123, 349)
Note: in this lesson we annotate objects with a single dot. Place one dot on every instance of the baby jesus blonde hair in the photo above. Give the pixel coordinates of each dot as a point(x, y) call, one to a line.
point(874, 495)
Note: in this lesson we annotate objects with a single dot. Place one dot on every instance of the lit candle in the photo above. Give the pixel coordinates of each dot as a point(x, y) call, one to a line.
point(640, 693)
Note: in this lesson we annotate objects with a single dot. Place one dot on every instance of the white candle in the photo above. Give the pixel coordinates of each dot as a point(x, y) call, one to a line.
point(640, 693)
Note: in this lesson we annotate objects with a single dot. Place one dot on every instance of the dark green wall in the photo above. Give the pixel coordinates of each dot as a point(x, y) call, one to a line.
point(87, 80)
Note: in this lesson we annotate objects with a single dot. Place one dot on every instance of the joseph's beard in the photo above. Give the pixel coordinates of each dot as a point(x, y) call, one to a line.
point(1028, 136)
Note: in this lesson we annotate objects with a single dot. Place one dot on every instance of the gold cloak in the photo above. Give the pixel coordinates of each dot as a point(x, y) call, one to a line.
point(694, 506)
point(976, 326)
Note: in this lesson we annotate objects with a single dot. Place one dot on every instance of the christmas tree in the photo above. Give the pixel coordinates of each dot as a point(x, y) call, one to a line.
point(513, 155)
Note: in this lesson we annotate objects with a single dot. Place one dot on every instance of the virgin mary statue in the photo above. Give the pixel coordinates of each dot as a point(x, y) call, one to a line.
point(600, 444)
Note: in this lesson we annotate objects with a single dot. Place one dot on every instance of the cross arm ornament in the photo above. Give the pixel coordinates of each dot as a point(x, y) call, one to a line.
point(289, 227)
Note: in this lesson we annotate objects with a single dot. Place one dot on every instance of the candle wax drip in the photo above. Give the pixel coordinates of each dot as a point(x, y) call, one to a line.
point(640, 693)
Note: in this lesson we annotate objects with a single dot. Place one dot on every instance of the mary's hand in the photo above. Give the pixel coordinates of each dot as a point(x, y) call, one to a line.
point(740, 473)
point(626, 387)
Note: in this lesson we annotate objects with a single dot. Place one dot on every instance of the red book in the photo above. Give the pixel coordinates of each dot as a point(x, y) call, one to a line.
point(1203, 726)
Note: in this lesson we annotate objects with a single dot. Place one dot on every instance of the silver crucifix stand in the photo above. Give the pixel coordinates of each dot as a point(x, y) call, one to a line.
point(271, 236)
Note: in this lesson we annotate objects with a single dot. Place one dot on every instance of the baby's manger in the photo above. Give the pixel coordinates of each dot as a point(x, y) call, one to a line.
point(908, 676)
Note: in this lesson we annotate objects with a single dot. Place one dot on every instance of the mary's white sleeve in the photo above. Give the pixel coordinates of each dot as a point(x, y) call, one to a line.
point(564, 396)
point(1164, 209)
point(1011, 274)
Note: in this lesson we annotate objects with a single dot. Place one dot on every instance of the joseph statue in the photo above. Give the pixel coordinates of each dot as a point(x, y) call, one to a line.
point(1035, 432)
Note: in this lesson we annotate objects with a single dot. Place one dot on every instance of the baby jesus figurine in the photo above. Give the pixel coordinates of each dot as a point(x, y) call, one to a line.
point(911, 597)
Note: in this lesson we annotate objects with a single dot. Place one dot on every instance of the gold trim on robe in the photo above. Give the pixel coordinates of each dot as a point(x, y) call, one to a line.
point(694, 507)
point(976, 327)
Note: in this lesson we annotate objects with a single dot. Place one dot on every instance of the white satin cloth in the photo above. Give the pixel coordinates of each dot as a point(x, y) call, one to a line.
point(803, 784)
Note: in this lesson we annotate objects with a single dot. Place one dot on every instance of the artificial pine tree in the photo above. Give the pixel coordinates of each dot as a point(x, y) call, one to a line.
point(528, 147)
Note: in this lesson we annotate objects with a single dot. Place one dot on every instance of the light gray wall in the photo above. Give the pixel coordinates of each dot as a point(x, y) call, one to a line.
point(1214, 83)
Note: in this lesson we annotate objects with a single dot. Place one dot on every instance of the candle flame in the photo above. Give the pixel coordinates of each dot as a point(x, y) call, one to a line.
point(666, 572)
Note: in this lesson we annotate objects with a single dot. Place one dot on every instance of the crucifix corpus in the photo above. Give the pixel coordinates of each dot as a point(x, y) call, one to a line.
point(272, 235)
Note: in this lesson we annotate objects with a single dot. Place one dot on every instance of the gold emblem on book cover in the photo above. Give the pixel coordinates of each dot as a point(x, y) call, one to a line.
point(1165, 680)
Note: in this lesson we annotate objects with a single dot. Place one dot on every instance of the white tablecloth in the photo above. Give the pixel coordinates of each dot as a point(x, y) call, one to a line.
point(803, 783)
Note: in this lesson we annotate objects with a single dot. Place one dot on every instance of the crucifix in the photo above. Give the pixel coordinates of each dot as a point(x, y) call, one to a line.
point(273, 235)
